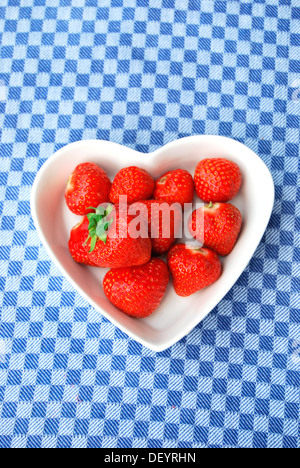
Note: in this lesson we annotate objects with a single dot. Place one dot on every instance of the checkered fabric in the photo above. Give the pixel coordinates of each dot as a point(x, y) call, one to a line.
point(143, 73)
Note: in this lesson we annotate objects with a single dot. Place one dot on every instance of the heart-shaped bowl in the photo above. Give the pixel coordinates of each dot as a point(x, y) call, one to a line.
point(176, 316)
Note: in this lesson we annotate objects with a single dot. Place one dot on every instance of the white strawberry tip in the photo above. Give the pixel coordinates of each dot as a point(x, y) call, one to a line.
point(196, 250)
point(162, 180)
point(70, 184)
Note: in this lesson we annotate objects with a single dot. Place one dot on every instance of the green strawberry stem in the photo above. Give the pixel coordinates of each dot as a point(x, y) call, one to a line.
point(99, 225)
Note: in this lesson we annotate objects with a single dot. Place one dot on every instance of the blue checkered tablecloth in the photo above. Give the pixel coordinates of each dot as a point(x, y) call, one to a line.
point(143, 73)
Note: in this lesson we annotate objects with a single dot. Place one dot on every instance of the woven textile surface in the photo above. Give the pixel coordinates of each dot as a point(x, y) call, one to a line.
point(143, 73)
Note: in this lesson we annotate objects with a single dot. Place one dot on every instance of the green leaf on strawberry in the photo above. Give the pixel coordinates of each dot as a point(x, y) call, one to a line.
point(99, 225)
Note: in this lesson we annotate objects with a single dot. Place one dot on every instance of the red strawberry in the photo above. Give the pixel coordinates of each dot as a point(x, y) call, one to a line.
point(137, 291)
point(133, 182)
point(108, 242)
point(193, 268)
point(216, 226)
point(88, 185)
point(175, 187)
point(163, 223)
point(217, 180)
point(78, 250)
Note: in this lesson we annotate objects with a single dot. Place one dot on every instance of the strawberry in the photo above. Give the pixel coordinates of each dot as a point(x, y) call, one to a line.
point(216, 226)
point(175, 187)
point(88, 185)
point(107, 240)
point(78, 250)
point(133, 182)
point(163, 223)
point(193, 268)
point(217, 180)
point(137, 291)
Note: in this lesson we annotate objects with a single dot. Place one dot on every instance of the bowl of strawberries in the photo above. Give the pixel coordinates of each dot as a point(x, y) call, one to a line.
point(153, 241)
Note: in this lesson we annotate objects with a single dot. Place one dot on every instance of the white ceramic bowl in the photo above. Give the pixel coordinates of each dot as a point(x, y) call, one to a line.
point(176, 316)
